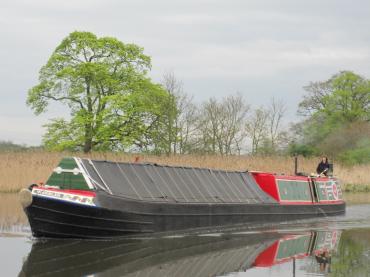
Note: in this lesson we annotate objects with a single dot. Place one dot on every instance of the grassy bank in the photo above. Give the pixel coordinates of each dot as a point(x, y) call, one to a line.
point(19, 169)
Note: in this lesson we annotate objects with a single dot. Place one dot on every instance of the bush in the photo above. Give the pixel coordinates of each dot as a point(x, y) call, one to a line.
point(356, 156)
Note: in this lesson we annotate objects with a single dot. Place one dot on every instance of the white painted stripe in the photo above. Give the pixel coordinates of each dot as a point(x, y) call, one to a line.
point(68, 197)
point(86, 177)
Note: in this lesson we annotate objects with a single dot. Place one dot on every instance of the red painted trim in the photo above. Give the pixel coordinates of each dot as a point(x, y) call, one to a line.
point(267, 257)
point(292, 178)
point(298, 256)
point(340, 201)
point(71, 191)
point(267, 183)
point(322, 179)
point(320, 251)
point(284, 202)
point(311, 203)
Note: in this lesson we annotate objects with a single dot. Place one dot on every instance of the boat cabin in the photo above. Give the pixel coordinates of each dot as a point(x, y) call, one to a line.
point(299, 189)
point(73, 174)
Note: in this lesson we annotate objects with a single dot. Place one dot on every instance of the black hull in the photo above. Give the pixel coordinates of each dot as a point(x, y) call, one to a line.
point(117, 217)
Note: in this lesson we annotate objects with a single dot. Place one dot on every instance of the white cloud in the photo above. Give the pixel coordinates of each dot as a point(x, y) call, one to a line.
point(258, 47)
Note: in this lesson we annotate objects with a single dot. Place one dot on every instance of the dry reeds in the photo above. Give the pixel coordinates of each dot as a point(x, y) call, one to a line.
point(19, 169)
point(11, 212)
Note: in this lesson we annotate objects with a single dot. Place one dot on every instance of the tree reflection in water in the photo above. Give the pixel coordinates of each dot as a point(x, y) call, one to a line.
point(353, 255)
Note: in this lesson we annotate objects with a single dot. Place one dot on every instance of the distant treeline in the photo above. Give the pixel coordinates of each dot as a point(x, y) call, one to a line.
point(8, 146)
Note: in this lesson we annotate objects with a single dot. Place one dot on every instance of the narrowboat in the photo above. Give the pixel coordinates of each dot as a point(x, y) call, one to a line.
point(180, 256)
point(93, 199)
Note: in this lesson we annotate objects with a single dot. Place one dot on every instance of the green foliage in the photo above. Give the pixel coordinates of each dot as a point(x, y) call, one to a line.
point(349, 100)
point(359, 155)
point(139, 119)
point(103, 82)
point(62, 135)
point(338, 117)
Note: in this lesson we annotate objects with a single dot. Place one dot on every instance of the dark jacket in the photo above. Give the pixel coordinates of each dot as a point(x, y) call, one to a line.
point(322, 168)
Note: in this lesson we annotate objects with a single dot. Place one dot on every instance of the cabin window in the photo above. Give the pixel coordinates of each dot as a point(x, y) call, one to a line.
point(292, 247)
point(293, 190)
point(67, 181)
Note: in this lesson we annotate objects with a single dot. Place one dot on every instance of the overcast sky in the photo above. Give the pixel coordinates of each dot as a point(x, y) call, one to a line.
point(258, 48)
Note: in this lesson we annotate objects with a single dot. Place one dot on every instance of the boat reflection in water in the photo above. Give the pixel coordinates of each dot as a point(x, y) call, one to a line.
point(319, 245)
point(206, 255)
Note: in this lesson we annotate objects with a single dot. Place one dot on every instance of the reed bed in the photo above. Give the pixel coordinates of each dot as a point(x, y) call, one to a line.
point(11, 212)
point(20, 169)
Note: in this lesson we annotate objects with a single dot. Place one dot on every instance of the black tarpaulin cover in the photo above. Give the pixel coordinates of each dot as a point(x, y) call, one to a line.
point(152, 182)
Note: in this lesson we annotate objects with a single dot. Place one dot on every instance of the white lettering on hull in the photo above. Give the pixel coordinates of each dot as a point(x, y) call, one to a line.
point(65, 196)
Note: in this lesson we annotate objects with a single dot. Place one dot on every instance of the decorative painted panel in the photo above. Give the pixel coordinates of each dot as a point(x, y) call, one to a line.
point(328, 190)
point(67, 180)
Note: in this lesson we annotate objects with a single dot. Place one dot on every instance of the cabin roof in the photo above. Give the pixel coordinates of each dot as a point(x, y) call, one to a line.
point(153, 182)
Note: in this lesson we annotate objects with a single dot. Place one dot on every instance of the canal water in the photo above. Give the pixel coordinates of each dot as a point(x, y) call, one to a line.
point(335, 246)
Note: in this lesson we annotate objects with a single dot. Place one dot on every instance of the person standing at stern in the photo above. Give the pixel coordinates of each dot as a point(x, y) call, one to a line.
point(323, 166)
